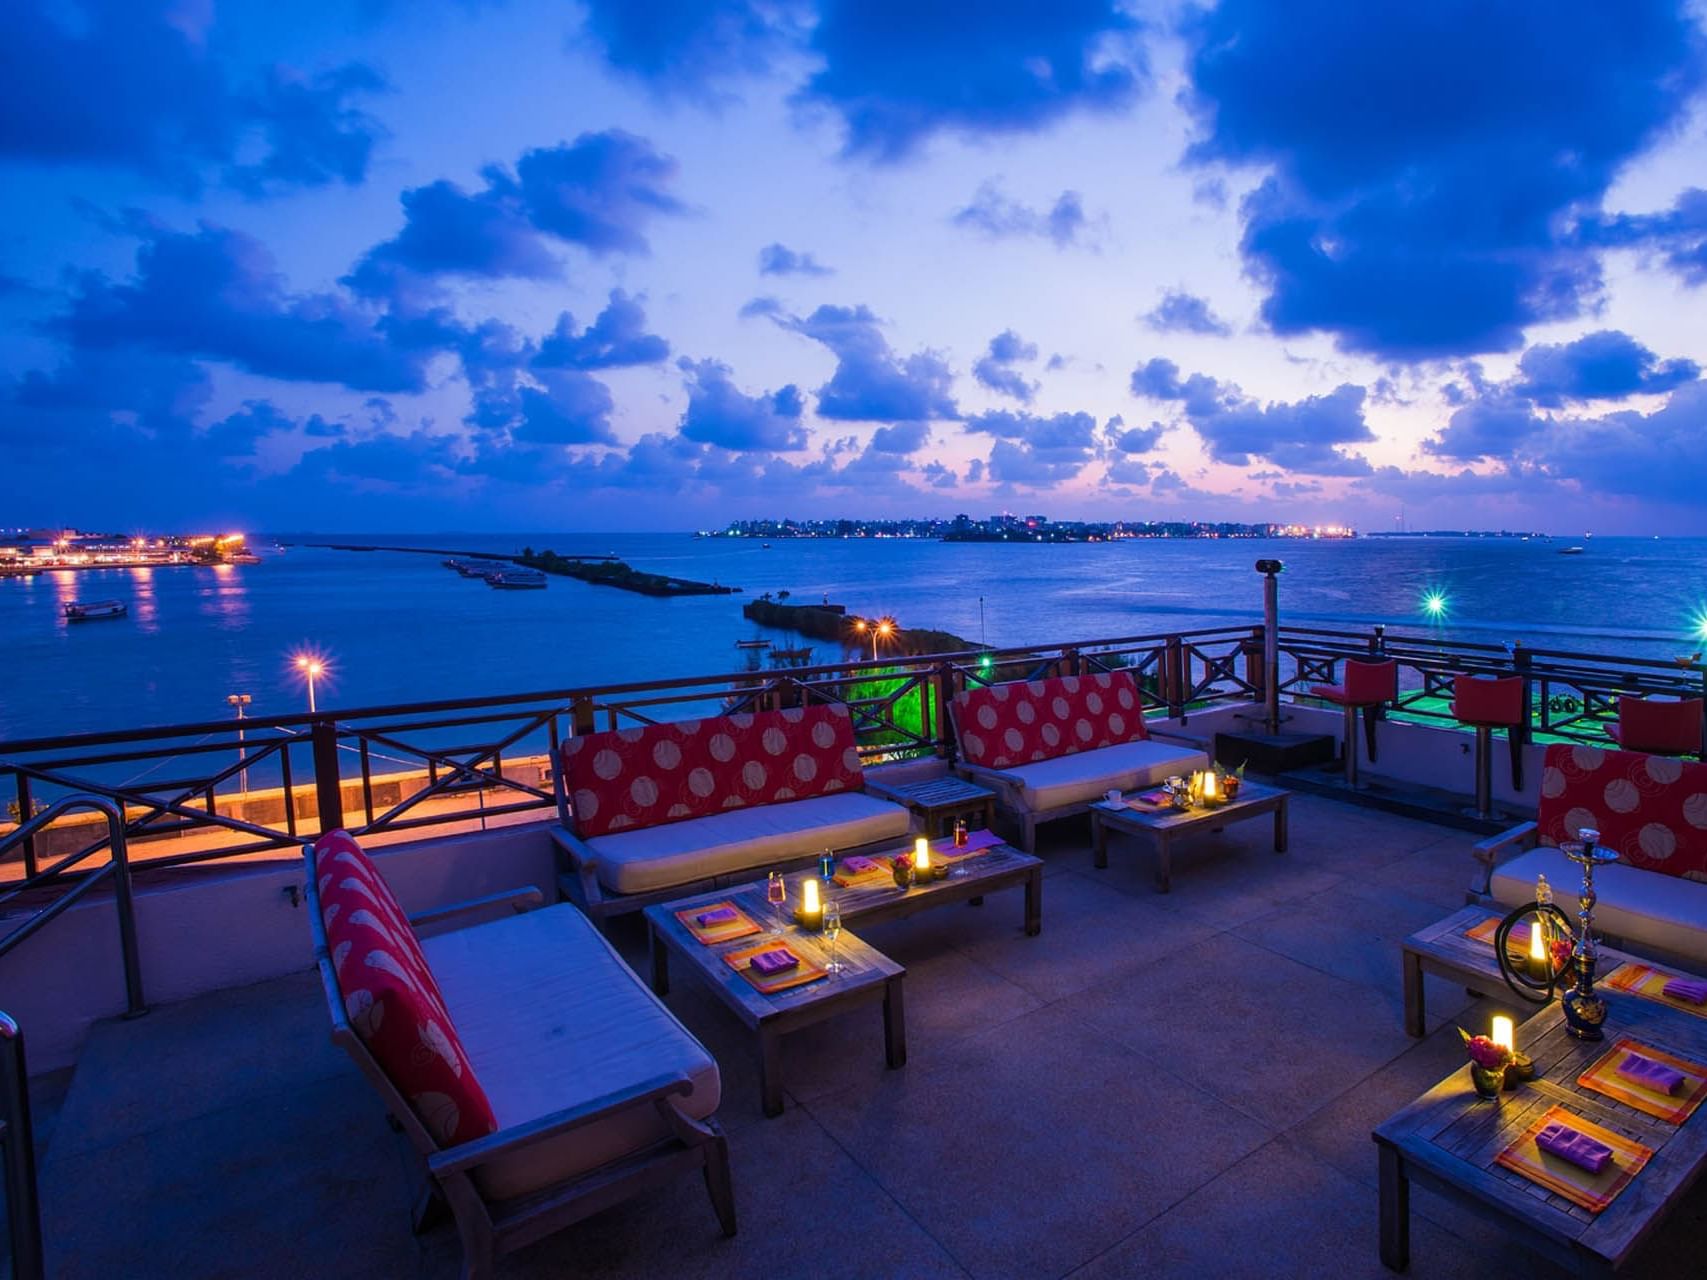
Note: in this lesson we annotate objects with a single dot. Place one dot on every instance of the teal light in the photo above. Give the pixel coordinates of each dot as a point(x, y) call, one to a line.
point(984, 661)
point(1434, 604)
point(1700, 624)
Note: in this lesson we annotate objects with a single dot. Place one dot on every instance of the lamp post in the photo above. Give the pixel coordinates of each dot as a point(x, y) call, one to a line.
point(240, 701)
point(1271, 569)
point(312, 668)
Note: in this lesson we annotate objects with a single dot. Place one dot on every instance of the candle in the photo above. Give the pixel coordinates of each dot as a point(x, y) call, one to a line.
point(921, 856)
point(1540, 964)
point(809, 896)
point(1504, 1030)
point(1209, 792)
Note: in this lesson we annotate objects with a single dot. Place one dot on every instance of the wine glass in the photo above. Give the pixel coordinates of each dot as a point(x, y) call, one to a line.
point(832, 931)
point(776, 893)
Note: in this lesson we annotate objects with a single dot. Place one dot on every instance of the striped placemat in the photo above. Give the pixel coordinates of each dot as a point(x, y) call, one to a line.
point(1604, 1077)
point(1647, 981)
point(1593, 1191)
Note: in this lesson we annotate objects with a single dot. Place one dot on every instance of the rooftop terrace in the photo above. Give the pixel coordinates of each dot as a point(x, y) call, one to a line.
point(1178, 1084)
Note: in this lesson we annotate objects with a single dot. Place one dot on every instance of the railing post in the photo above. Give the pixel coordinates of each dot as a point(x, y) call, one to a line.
point(1074, 661)
point(1175, 660)
point(25, 804)
point(328, 782)
point(944, 681)
point(581, 717)
point(23, 1208)
point(124, 901)
point(1271, 571)
point(1378, 642)
point(1521, 662)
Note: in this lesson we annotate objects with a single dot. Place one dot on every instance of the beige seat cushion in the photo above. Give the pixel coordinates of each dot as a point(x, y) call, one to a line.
point(1085, 775)
point(1643, 907)
point(737, 840)
point(551, 1017)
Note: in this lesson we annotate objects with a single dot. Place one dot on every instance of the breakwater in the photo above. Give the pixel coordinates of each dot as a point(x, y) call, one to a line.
point(832, 622)
point(617, 573)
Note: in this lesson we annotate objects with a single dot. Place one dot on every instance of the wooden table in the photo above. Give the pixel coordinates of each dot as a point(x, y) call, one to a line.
point(870, 977)
point(1000, 866)
point(1163, 826)
point(1446, 950)
point(1448, 1138)
point(939, 801)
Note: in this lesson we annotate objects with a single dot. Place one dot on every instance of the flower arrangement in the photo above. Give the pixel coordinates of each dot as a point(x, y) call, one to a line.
point(902, 864)
point(1488, 1063)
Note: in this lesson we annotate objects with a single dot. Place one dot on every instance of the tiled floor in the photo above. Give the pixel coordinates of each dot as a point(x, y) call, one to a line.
point(1157, 1085)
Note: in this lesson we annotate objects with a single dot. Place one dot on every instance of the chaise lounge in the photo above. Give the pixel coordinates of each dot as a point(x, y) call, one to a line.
point(666, 810)
point(1652, 810)
point(537, 1077)
point(1049, 748)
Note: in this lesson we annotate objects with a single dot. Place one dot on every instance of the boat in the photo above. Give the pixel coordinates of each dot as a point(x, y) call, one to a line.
point(94, 610)
point(1570, 551)
point(752, 644)
point(516, 579)
point(243, 557)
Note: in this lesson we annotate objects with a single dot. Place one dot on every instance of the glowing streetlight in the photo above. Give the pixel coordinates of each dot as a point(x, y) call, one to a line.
point(1700, 624)
point(883, 627)
point(1434, 604)
point(313, 668)
point(240, 703)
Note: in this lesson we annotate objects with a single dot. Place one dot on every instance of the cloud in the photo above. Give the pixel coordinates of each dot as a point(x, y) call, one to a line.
point(938, 476)
point(600, 192)
point(1300, 436)
point(779, 260)
point(995, 367)
point(870, 383)
point(1182, 312)
point(1490, 426)
point(217, 294)
point(720, 413)
point(1606, 365)
point(616, 339)
point(1680, 233)
point(1124, 439)
point(897, 74)
point(129, 84)
point(997, 216)
point(1425, 162)
point(567, 408)
point(685, 47)
point(1036, 452)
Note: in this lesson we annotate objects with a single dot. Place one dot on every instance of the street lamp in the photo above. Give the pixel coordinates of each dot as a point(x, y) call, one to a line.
point(240, 701)
point(313, 668)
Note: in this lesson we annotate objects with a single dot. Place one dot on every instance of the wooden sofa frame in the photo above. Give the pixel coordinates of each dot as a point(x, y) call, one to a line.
point(489, 1229)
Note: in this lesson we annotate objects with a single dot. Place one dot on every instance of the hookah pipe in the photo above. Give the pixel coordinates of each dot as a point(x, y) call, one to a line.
point(1584, 1010)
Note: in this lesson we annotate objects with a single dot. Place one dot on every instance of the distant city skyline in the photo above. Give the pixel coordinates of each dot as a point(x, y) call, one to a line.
point(513, 265)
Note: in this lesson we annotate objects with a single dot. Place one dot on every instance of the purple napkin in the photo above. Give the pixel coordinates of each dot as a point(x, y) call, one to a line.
point(857, 864)
point(1694, 990)
point(1580, 1149)
point(718, 915)
point(770, 963)
point(1650, 1074)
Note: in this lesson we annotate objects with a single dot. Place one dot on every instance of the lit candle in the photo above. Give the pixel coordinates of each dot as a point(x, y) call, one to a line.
point(1540, 965)
point(809, 896)
point(1209, 792)
point(1503, 1032)
point(921, 856)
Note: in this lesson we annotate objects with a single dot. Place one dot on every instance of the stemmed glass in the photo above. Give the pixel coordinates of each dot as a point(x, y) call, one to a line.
point(832, 931)
point(776, 893)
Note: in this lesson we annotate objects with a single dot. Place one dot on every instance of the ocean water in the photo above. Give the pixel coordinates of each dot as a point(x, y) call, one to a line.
point(395, 627)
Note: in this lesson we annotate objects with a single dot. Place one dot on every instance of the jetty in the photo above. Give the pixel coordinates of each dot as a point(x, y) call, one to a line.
point(600, 570)
point(833, 622)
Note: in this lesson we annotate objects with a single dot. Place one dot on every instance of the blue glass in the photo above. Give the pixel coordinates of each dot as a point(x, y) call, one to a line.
point(826, 864)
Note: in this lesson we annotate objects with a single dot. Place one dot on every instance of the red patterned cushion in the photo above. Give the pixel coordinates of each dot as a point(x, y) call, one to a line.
point(391, 997)
point(1651, 809)
point(1003, 725)
point(662, 773)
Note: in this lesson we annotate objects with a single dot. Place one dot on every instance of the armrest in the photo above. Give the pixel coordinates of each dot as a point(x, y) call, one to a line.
point(580, 856)
point(1487, 852)
point(459, 1159)
point(524, 898)
point(981, 774)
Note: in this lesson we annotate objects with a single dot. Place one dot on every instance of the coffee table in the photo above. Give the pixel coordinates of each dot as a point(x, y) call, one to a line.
point(870, 977)
point(1163, 826)
point(1448, 1138)
point(939, 801)
point(1446, 950)
point(1001, 866)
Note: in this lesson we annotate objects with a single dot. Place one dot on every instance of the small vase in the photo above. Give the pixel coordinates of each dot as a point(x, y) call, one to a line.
point(903, 877)
point(1489, 1081)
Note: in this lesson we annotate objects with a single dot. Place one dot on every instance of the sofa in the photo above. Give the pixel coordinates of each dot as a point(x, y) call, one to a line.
point(1652, 810)
point(1049, 748)
point(537, 1077)
point(658, 811)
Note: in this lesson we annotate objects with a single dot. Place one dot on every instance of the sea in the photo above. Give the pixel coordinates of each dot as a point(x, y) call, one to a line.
point(394, 627)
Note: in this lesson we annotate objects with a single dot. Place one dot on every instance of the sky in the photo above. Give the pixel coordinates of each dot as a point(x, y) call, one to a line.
point(535, 265)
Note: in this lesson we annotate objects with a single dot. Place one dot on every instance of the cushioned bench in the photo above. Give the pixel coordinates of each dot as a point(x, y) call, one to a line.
point(662, 810)
point(1049, 748)
point(537, 1076)
point(1652, 810)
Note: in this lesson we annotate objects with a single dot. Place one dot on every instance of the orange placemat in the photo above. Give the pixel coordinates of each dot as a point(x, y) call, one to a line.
point(1593, 1191)
point(1648, 982)
point(740, 927)
point(1603, 1077)
point(798, 976)
point(1516, 942)
point(977, 842)
point(879, 872)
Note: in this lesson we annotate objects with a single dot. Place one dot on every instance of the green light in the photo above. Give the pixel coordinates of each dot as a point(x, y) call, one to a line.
point(1434, 604)
point(984, 661)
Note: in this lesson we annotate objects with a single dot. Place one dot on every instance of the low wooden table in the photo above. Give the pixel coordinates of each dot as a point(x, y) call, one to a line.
point(1448, 1138)
point(870, 977)
point(1163, 826)
point(1446, 950)
point(1000, 866)
point(939, 801)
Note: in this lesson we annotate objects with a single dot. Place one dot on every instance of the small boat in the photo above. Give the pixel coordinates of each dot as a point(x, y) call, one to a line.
point(752, 644)
point(243, 557)
point(516, 579)
point(94, 610)
point(1570, 551)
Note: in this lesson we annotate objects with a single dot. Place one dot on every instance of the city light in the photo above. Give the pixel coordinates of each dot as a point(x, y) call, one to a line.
point(1434, 604)
point(313, 667)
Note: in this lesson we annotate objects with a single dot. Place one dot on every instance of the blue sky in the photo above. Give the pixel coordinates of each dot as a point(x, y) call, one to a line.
point(524, 264)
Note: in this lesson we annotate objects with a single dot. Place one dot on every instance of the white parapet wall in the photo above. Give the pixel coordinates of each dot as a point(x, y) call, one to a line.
point(206, 930)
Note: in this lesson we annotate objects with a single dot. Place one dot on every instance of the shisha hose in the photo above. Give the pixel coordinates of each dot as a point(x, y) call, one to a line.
point(1516, 974)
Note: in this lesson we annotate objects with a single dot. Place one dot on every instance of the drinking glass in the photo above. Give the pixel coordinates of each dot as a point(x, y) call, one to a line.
point(832, 931)
point(826, 865)
point(776, 893)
